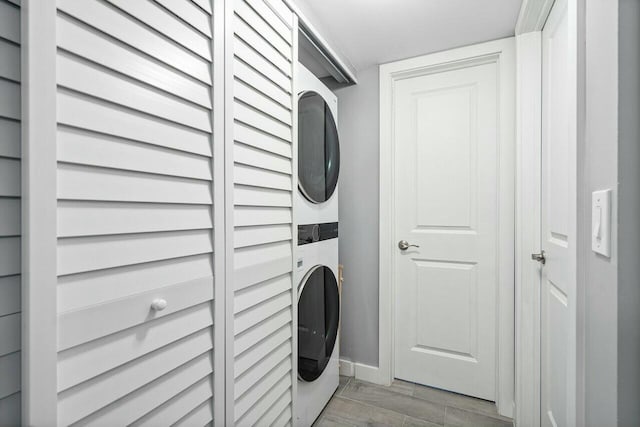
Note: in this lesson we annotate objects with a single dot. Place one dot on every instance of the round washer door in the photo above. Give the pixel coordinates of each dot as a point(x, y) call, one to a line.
point(318, 318)
point(318, 148)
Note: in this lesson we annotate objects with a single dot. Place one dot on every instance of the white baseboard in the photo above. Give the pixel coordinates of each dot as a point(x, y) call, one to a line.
point(347, 368)
point(368, 373)
point(361, 371)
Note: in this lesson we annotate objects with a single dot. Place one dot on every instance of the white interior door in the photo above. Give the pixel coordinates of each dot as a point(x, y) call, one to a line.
point(446, 203)
point(557, 347)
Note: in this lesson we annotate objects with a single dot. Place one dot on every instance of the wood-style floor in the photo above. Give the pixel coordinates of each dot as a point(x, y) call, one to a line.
point(357, 403)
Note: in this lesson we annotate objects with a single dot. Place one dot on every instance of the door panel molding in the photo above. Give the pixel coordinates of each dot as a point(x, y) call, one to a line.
point(502, 53)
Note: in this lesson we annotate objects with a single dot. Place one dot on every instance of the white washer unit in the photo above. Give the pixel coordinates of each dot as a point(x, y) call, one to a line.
point(318, 322)
point(317, 251)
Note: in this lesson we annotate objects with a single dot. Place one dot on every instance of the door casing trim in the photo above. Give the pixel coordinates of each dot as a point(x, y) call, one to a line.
point(501, 52)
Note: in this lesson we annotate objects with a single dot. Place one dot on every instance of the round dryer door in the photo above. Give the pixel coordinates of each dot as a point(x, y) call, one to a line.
point(318, 317)
point(318, 148)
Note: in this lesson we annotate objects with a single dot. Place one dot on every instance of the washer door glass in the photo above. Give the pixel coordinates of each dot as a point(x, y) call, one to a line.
point(318, 317)
point(318, 148)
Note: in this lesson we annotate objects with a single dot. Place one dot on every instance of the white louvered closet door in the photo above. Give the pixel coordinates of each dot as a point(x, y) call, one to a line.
point(260, 137)
point(10, 229)
point(135, 212)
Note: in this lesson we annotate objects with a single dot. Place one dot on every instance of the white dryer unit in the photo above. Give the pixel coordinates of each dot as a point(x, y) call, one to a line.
point(318, 151)
point(318, 326)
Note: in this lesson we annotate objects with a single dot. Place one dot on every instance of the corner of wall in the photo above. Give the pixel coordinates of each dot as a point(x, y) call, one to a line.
point(628, 212)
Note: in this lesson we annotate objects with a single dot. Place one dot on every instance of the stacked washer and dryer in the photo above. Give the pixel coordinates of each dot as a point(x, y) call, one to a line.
point(317, 252)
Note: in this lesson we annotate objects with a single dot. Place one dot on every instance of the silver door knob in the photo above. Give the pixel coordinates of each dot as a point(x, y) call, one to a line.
point(539, 257)
point(404, 245)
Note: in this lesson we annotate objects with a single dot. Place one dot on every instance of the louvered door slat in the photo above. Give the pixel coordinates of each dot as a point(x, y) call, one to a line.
point(200, 416)
point(10, 140)
point(92, 359)
point(79, 39)
point(157, 17)
point(138, 35)
point(153, 395)
point(191, 14)
point(10, 214)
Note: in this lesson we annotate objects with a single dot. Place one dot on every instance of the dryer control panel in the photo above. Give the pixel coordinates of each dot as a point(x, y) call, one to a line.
point(311, 233)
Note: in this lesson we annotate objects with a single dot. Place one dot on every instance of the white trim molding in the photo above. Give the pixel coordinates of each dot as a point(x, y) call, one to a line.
point(359, 371)
point(501, 52)
point(347, 368)
point(533, 14)
point(366, 372)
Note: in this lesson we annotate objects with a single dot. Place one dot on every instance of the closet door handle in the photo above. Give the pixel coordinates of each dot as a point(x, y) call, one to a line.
point(158, 304)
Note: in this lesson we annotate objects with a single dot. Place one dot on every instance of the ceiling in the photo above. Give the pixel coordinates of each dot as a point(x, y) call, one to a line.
point(371, 32)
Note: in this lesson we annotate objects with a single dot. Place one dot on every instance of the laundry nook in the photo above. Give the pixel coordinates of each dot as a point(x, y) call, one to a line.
point(319, 213)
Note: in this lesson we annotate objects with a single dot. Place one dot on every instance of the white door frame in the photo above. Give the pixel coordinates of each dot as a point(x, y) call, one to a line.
point(528, 215)
point(501, 52)
point(531, 20)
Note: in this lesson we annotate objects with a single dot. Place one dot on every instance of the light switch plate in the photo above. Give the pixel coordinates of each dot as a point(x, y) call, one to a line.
point(601, 222)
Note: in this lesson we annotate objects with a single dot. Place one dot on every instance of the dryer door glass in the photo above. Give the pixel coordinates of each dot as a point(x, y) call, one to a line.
point(318, 148)
point(318, 316)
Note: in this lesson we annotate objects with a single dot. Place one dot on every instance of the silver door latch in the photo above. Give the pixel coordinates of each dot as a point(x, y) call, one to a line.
point(539, 257)
point(404, 245)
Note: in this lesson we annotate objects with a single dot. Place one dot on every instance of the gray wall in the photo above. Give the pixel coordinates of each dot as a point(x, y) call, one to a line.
point(599, 160)
point(629, 212)
point(358, 123)
point(611, 159)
